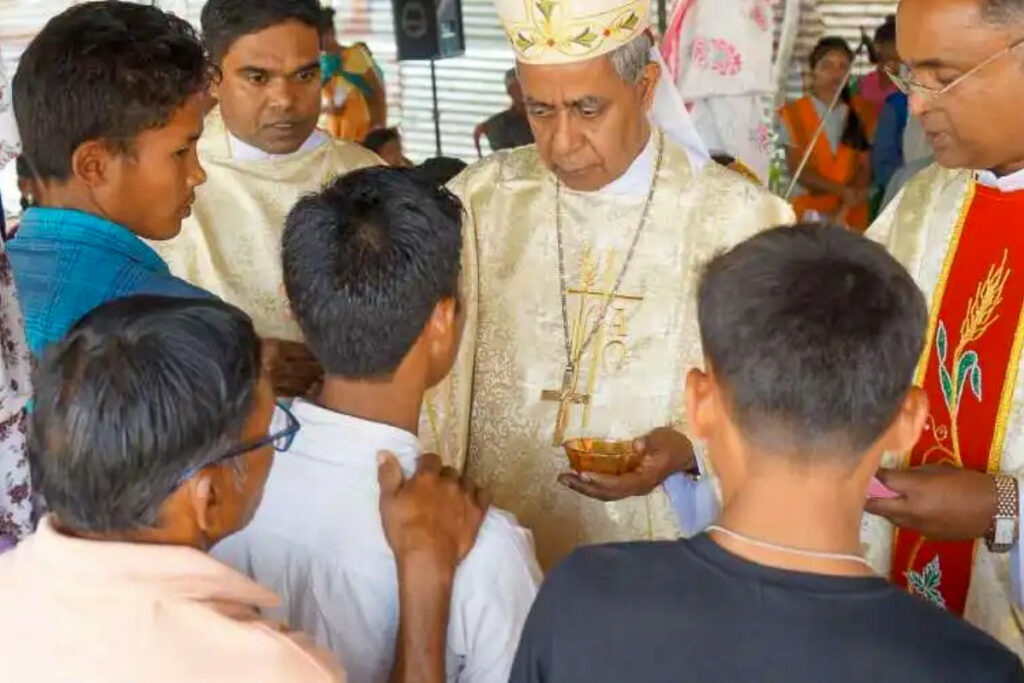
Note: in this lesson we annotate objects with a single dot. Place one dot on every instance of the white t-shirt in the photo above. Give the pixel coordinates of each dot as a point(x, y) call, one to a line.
point(317, 540)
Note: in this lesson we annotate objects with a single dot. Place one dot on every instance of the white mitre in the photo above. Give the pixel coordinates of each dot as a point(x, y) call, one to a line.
point(565, 31)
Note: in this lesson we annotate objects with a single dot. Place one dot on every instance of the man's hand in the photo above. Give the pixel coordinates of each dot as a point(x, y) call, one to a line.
point(434, 516)
point(292, 368)
point(940, 502)
point(431, 522)
point(662, 453)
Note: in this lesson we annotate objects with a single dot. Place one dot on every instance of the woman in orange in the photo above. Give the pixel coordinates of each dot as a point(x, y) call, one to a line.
point(354, 99)
point(837, 178)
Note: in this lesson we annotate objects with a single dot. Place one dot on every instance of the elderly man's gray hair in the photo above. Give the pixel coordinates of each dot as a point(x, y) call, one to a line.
point(141, 392)
point(630, 60)
point(1002, 11)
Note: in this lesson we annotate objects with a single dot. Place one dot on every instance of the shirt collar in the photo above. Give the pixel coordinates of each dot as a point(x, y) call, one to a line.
point(1007, 183)
point(326, 434)
point(243, 151)
point(70, 225)
point(177, 571)
point(636, 181)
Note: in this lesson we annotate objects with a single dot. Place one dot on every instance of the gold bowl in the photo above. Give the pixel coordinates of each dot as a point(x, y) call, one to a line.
point(602, 456)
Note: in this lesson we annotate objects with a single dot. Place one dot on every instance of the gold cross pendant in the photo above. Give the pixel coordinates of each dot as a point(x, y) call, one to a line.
point(565, 397)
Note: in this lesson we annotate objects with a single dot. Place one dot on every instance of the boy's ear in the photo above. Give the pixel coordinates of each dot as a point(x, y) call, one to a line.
point(906, 428)
point(700, 403)
point(90, 162)
point(444, 320)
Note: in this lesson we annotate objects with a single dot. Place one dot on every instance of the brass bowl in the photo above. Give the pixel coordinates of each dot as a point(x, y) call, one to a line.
point(601, 456)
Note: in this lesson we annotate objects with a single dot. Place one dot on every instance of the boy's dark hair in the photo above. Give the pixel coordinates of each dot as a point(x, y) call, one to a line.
point(366, 261)
point(378, 137)
point(23, 169)
point(814, 332)
point(103, 71)
point(140, 391)
point(225, 21)
point(439, 170)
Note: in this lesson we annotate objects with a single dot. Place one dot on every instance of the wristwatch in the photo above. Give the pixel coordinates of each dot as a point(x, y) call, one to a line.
point(1002, 535)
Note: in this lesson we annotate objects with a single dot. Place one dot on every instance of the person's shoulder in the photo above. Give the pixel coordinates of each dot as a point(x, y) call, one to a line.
point(604, 571)
point(171, 285)
point(509, 164)
point(503, 549)
point(925, 186)
point(350, 156)
point(728, 192)
point(271, 651)
point(520, 163)
point(950, 644)
point(794, 104)
point(935, 176)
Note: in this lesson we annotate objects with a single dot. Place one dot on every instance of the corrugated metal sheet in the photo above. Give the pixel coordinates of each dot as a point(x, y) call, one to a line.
point(471, 87)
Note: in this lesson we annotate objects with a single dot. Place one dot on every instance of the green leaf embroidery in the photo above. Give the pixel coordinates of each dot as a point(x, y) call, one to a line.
point(546, 7)
point(927, 583)
point(941, 343)
point(585, 38)
point(976, 382)
point(966, 365)
point(523, 42)
point(631, 21)
point(947, 386)
point(933, 573)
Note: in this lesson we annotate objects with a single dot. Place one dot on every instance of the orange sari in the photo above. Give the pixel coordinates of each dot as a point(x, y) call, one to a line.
point(801, 120)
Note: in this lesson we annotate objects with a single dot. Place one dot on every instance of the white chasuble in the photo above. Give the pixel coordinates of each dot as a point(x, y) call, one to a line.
point(231, 244)
point(498, 413)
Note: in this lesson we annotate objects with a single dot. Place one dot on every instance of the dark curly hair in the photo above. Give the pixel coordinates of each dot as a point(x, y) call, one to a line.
point(225, 21)
point(103, 71)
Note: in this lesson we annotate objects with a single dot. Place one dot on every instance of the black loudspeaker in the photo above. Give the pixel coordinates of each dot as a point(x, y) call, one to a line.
point(428, 29)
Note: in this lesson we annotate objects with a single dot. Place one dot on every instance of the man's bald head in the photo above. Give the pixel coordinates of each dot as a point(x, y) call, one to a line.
point(960, 47)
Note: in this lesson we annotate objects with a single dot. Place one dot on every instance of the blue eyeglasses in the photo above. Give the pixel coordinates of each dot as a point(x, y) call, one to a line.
point(280, 439)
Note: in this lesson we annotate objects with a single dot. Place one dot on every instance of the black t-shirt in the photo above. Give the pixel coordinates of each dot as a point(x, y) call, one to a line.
point(691, 611)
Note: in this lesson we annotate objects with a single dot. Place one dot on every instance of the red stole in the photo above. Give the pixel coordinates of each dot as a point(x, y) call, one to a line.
point(969, 372)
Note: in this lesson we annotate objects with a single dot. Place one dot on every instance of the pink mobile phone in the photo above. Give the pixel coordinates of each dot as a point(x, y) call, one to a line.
point(879, 490)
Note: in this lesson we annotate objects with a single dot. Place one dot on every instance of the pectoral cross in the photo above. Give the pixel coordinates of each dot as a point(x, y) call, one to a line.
point(566, 397)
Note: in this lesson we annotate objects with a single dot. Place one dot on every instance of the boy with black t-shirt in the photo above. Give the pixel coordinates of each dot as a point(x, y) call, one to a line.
point(811, 336)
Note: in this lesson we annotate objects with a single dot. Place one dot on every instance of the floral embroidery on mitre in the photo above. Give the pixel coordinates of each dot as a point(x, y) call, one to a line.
point(718, 55)
point(550, 37)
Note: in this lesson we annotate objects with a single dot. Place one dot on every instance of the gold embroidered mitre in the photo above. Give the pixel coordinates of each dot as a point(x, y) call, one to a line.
point(564, 31)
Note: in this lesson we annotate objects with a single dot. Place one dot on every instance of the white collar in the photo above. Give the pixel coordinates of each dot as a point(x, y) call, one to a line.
point(243, 151)
point(637, 179)
point(1007, 183)
point(328, 435)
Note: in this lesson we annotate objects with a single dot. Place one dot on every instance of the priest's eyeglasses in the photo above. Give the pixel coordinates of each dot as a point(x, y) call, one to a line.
point(901, 78)
point(283, 428)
